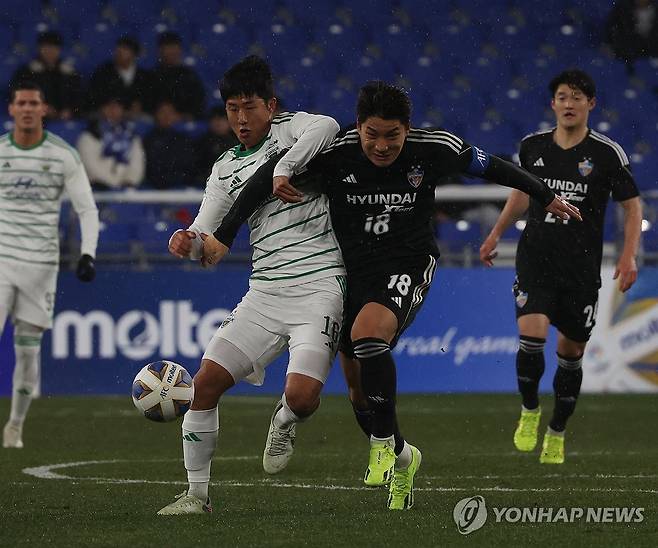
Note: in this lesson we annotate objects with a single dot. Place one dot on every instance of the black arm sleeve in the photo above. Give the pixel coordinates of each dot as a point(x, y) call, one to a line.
point(507, 174)
point(257, 189)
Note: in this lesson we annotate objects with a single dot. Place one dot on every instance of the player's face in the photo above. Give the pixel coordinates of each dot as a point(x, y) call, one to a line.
point(571, 106)
point(27, 109)
point(382, 140)
point(250, 118)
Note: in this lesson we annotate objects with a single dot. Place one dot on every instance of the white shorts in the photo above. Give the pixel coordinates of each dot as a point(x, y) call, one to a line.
point(306, 319)
point(27, 292)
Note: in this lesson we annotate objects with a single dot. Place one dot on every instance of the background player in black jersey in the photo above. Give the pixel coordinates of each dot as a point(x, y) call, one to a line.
point(380, 179)
point(558, 262)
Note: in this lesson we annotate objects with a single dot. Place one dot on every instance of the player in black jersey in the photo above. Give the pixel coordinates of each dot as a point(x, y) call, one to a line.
point(380, 179)
point(558, 262)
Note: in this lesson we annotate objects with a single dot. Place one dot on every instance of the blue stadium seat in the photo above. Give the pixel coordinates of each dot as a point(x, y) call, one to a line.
point(455, 235)
point(116, 238)
point(69, 130)
point(16, 11)
point(70, 12)
point(338, 102)
point(136, 13)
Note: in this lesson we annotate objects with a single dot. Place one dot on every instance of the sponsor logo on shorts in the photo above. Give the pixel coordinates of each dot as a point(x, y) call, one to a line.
point(521, 299)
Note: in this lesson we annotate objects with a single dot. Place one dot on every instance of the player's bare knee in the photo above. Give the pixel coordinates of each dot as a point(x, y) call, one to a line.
point(302, 402)
point(211, 381)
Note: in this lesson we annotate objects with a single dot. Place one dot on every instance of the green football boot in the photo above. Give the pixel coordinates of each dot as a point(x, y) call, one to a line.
point(525, 436)
point(401, 491)
point(552, 449)
point(380, 464)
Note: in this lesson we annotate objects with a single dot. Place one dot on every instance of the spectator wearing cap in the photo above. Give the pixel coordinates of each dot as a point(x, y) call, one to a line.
point(111, 151)
point(174, 82)
point(61, 84)
point(121, 78)
point(213, 143)
point(169, 152)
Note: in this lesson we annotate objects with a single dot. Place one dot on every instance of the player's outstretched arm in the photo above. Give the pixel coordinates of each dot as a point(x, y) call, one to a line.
point(626, 270)
point(516, 205)
point(257, 189)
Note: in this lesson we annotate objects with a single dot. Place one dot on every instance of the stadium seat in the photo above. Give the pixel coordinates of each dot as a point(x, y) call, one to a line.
point(16, 11)
point(69, 130)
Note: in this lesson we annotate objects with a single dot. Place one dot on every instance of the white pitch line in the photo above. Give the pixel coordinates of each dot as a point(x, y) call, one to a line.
point(47, 472)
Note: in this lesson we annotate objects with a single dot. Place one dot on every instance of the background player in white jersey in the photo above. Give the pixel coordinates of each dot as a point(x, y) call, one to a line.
point(295, 299)
point(558, 263)
point(36, 167)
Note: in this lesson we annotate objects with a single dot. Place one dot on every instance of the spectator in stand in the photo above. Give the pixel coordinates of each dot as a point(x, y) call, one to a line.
point(123, 79)
point(61, 84)
point(169, 152)
point(632, 29)
point(175, 82)
point(212, 144)
point(111, 151)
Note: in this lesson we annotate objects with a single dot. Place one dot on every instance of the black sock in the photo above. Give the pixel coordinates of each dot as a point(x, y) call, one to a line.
point(529, 369)
point(378, 381)
point(566, 384)
point(364, 420)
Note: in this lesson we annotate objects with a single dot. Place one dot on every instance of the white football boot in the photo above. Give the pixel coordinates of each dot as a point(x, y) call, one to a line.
point(279, 445)
point(12, 436)
point(186, 504)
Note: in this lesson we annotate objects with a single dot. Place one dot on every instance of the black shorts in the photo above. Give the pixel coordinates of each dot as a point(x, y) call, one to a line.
point(572, 312)
point(401, 287)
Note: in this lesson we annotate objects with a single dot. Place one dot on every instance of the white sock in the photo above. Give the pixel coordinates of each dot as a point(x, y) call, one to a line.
point(403, 460)
point(535, 410)
point(285, 416)
point(27, 346)
point(200, 432)
point(390, 441)
point(554, 432)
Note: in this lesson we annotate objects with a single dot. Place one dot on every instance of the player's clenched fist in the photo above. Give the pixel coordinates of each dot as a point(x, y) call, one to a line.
point(180, 243)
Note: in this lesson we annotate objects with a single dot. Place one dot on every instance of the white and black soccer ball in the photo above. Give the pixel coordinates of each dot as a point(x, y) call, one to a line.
point(163, 391)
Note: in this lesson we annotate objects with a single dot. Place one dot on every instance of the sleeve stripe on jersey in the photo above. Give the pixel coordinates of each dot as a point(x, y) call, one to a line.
point(420, 133)
point(445, 142)
point(612, 144)
point(540, 132)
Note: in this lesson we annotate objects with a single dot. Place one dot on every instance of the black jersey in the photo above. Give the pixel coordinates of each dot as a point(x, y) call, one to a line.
point(383, 214)
point(568, 253)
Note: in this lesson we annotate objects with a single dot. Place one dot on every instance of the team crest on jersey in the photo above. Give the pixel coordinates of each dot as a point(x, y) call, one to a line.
point(521, 299)
point(415, 176)
point(585, 167)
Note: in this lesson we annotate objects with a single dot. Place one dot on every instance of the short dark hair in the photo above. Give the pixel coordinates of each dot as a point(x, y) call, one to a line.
point(383, 100)
point(25, 85)
point(129, 42)
point(574, 78)
point(49, 37)
point(169, 38)
point(251, 76)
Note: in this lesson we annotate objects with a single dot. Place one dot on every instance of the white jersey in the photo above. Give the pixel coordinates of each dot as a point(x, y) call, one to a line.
point(32, 181)
point(292, 243)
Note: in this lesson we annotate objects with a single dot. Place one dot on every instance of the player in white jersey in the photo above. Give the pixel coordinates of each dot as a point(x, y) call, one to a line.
point(295, 298)
point(36, 167)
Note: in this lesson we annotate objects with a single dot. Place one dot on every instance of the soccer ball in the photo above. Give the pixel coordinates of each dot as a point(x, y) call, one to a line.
point(163, 391)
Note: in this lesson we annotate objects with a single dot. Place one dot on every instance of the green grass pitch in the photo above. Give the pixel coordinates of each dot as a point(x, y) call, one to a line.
point(99, 472)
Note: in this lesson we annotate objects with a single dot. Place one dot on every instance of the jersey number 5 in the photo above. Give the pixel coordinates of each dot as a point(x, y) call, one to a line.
point(377, 224)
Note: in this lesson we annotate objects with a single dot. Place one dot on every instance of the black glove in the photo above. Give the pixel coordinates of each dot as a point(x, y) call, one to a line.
point(86, 270)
